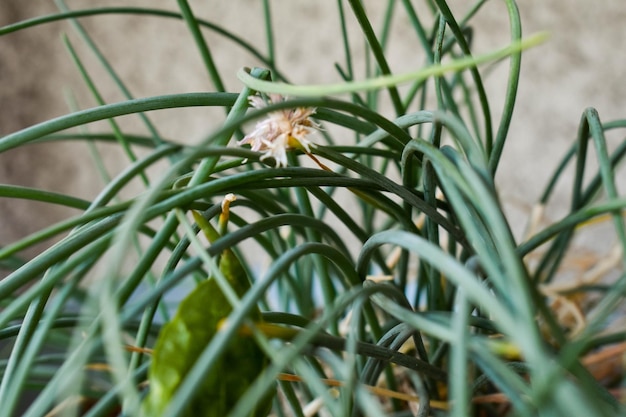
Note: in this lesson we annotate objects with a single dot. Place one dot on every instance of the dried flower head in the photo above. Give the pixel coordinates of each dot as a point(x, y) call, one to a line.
point(280, 131)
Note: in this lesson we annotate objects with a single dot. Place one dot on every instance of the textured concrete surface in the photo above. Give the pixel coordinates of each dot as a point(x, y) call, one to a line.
point(582, 65)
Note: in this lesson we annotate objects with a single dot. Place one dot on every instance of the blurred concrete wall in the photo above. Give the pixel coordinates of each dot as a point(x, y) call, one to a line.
point(582, 65)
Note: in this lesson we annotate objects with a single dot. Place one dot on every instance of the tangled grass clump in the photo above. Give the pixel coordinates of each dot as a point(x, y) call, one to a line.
point(392, 285)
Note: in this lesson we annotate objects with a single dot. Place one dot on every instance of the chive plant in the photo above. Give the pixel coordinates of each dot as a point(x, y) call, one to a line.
point(390, 281)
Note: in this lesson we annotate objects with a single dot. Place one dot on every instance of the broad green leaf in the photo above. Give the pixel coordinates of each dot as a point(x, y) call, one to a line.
point(182, 340)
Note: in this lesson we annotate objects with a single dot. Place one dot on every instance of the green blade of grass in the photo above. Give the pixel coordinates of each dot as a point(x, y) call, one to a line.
point(389, 80)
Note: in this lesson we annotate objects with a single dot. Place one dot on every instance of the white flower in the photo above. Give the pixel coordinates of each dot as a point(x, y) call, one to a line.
point(280, 131)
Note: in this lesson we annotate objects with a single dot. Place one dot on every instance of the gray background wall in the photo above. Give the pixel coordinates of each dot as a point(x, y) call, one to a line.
point(582, 65)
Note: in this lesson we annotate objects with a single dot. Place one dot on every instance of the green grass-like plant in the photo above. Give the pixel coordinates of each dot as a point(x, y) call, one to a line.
point(390, 261)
